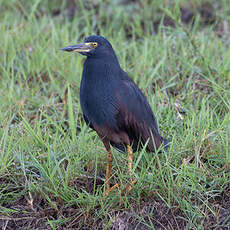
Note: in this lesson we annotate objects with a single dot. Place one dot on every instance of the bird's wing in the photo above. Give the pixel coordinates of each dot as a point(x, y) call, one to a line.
point(135, 115)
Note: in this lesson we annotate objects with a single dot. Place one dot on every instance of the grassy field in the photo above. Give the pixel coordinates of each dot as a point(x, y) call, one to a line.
point(52, 166)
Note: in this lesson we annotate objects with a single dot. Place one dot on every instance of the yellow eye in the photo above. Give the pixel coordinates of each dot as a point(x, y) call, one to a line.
point(94, 44)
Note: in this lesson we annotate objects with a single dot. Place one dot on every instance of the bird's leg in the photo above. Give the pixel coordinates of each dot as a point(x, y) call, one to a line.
point(109, 157)
point(130, 158)
point(130, 166)
point(108, 171)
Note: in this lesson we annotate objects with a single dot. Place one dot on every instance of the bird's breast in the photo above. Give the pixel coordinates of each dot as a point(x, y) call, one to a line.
point(97, 97)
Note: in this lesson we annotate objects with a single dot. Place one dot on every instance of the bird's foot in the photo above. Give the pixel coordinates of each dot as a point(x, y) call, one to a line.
point(108, 190)
point(129, 187)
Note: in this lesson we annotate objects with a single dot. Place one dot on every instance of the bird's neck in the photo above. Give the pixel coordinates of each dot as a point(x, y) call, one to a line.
point(101, 67)
point(109, 56)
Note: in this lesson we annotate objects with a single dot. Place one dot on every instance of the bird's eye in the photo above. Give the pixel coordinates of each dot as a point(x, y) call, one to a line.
point(94, 44)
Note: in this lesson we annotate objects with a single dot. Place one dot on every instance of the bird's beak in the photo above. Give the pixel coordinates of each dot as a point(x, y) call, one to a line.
point(82, 47)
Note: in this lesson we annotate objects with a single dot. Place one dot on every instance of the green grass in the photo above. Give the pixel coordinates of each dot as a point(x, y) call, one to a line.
point(51, 171)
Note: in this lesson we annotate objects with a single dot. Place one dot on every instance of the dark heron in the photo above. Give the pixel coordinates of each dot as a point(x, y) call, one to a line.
point(113, 105)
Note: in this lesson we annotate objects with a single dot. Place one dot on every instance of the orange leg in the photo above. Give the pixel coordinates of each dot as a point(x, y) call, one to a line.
point(108, 171)
point(130, 159)
point(130, 166)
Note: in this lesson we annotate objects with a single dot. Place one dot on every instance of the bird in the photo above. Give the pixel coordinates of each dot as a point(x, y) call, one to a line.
point(114, 106)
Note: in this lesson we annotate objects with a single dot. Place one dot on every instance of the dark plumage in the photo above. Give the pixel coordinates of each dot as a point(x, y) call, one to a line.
point(112, 103)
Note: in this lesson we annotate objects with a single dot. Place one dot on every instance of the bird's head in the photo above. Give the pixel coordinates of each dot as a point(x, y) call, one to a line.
point(93, 46)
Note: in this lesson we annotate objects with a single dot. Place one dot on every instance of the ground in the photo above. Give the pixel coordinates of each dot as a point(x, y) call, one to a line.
point(52, 166)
